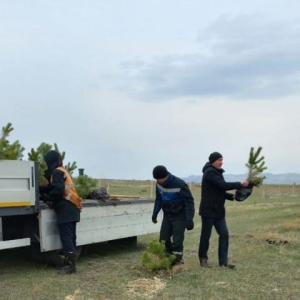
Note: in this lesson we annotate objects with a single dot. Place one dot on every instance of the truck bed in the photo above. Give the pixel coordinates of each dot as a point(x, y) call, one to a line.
point(101, 221)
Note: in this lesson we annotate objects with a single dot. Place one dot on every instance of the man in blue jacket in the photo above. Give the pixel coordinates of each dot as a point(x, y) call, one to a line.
point(212, 209)
point(175, 199)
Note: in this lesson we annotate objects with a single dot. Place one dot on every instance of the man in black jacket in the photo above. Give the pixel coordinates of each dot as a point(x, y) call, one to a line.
point(60, 194)
point(174, 197)
point(212, 208)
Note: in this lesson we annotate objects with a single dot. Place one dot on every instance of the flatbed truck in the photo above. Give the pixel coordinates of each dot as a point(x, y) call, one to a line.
point(27, 221)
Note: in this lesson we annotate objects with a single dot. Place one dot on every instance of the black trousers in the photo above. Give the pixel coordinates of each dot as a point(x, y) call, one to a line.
point(68, 236)
point(222, 230)
point(172, 232)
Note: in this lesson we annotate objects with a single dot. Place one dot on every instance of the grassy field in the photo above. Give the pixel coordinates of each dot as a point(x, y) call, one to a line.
point(264, 244)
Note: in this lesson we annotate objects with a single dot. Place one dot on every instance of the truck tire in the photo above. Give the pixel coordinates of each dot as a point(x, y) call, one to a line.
point(54, 257)
point(36, 254)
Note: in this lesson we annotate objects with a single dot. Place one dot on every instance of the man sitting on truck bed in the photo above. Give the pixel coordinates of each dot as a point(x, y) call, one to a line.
point(61, 193)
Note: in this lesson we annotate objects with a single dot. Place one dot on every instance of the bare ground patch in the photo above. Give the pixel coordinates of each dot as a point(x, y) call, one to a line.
point(144, 287)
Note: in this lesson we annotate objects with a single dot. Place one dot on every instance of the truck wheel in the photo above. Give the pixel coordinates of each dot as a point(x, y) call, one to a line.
point(55, 257)
point(36, 254)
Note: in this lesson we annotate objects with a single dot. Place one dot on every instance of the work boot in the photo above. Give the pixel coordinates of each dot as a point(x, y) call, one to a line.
point(227, 265)
point(178, 260)
point(204, 263)
point(69, 264)
point(66, 259)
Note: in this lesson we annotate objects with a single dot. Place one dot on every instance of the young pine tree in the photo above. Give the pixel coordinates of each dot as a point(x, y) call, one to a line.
point(8, 150)
point(256, 166)
point(156, 257)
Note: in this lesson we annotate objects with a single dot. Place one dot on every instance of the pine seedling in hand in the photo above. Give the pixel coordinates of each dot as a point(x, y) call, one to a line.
point(256, 166)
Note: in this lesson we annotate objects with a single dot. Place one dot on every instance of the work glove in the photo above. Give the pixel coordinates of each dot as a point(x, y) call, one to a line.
point(50, 204)
point(189, 225)
point(47, 199)
point(154, 219)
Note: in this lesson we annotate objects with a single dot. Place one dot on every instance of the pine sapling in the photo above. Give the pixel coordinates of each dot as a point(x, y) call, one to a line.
point(256, 166)
point(156, 257)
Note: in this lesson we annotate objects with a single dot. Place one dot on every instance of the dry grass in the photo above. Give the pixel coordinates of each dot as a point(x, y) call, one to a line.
point(291, 225)
point(75, 296)
point(107, 272)
point(145, 288)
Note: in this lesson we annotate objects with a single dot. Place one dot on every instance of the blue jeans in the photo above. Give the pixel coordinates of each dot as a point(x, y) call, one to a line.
point(67, 233)
point(222, 230)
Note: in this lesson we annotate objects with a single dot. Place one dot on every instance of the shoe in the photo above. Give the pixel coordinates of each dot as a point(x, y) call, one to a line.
point(204, 263)
point(69, 264)
point(178, 263)
point(227, 265)
point(178, 260)
point(67, 270)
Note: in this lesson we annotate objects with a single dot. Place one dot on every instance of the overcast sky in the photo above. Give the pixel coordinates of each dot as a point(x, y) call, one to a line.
point(122, 86)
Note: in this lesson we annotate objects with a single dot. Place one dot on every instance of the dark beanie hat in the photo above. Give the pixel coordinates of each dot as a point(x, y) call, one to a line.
point(214, 156)
point(160, 172)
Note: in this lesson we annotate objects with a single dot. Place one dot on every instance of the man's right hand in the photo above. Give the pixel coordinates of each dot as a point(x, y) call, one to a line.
point(154, 219)
point(44, 197)
point(50, 204)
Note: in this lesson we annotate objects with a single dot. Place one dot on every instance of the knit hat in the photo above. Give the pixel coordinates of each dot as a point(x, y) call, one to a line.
point(214, 156)
point(160, 172)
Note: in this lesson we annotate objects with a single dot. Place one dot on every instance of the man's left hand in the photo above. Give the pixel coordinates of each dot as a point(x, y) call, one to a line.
point(189, 225)
point(245, 183)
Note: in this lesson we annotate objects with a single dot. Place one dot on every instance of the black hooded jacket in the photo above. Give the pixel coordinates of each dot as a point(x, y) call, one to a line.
point(66, 211)
point(213, 192)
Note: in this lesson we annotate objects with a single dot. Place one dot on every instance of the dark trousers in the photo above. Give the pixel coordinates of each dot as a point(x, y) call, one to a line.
point(222, 230)
point(68, 237)
point(172, 232)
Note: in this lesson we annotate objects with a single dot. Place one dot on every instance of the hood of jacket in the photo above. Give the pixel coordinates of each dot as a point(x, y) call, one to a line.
point(53, 160)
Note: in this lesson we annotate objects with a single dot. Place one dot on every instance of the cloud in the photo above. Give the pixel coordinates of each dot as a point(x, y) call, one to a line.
point(71, 73)
point(241, 57)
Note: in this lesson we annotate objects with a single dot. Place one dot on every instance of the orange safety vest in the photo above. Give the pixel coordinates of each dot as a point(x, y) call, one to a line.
point(70, 192)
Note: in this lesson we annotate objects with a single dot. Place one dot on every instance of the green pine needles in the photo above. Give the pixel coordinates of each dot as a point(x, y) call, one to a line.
point(85, 185)
point(9, 150)
point(156, 257)
point(256, 165)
